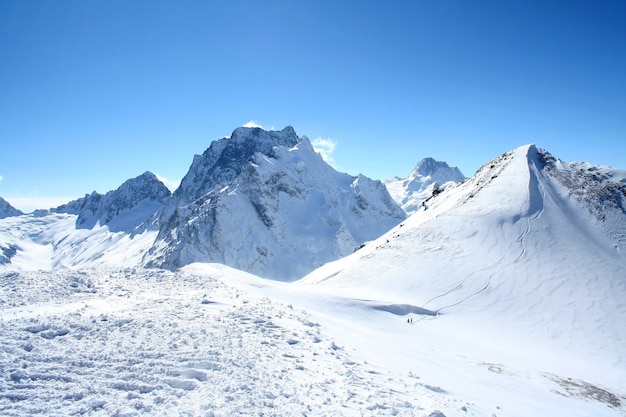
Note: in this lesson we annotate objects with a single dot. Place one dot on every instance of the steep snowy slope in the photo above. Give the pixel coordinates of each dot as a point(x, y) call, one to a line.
point(265, 202)
point(503, 296)
point(527, 255)
point(40, 242)
point(7, 210)
point(428, 177)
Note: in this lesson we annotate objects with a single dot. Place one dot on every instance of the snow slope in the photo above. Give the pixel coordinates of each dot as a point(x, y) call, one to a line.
point(517, 257)
point(428, 177)
point(209, 340)
point(512, 283)
point(49, 241)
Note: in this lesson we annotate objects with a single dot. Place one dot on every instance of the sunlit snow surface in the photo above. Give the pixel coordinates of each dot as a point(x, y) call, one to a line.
point(503, 296)
point(212, 341)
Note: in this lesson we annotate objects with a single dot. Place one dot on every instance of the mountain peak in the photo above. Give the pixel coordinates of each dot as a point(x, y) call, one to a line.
point(137, 197)
point(263, 138)
point(266, 202)
point(7, 210)
point(429, 167)
point(227, 158)
point(427, 176)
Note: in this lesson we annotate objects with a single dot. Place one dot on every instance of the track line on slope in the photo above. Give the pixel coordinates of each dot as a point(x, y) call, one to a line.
point(520, 240)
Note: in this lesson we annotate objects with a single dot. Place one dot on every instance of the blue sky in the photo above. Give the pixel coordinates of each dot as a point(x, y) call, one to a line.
point(96, 92)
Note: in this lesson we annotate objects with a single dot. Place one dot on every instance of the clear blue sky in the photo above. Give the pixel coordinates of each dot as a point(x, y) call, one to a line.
point(96, 92)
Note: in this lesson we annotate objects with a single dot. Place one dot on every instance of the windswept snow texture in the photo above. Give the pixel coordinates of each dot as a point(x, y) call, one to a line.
point(7, 210)
point(428, 178)
point(208, 340)
point(266, 203)
point(156, 343)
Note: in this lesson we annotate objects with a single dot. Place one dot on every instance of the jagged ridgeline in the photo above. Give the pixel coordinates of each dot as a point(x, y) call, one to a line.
point(267, 203)
point(261, 201)
point(7, 210)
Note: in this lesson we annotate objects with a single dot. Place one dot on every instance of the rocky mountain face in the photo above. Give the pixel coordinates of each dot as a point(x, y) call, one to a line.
point(429, 176)
point(123, 209)
point(7, 210)
point(266, 202)
point(600, 190)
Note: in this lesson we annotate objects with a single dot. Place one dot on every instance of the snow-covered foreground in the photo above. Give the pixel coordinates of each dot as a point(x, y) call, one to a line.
point(212, 341)
point(501, 296)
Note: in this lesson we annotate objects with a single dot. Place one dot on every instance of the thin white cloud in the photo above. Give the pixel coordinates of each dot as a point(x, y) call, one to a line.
point(252, 123)
point(1, 178)
point(325, 147)
point(172, 185)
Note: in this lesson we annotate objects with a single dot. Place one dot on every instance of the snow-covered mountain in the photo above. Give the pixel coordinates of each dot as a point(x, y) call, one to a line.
point(266, 202)
point(529, 254)
point(7, 210)
point(94, 231)
point(502, 296)
point(123, 209)
point(261, 201)
point(429, 176)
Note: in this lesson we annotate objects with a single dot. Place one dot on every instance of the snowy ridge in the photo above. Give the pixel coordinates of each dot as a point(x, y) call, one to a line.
point(266, 203)
point(499, 297)
point(512, 249)
point(429, 176)
point(96, 230)
point(7, 210)
point(123, 209)
point(261, 201)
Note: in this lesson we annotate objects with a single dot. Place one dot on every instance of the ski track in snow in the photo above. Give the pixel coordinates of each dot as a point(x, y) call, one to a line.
point(130, 343)
point(499, 266)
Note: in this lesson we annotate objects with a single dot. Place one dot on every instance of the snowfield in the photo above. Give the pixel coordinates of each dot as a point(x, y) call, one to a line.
point(201, 341)
point(501, 296)
point(212, 341)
